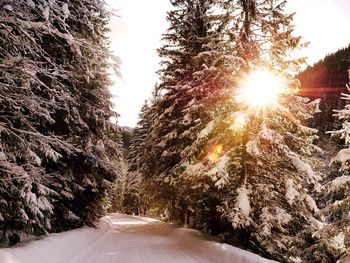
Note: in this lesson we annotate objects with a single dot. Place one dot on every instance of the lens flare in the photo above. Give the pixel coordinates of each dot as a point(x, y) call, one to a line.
point(213, 156)
point(260, 89)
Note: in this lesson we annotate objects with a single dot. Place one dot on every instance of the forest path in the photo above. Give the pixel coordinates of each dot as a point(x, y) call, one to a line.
point(132, 239)
point(127, 239)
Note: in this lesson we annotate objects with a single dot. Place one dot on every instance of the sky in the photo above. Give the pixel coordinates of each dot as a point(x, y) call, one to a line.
point(137, 29)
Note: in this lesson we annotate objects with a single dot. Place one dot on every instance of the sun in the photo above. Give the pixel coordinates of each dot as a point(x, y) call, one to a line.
point(260, 88)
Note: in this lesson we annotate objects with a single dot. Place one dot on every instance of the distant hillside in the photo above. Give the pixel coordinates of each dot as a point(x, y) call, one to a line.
point(326, 80)
point(330, 72)
point(127, 128)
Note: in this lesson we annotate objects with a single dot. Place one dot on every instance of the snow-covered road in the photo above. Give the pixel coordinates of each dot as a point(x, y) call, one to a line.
point(137, 240)
point(128, 239)
point(143, 240)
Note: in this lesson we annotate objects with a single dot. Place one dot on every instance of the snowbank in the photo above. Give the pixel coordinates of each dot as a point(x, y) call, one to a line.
point(216, 252)
point(60, 247)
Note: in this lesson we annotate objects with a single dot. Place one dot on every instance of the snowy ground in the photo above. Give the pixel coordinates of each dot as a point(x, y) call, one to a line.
point(127, 239)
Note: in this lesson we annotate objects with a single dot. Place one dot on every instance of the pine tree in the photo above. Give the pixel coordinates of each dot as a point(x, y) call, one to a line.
point(263, 34)
point(259, 157)
point(338, 190)
point(138, 199)
point(206, 148)
point(197, 70)
point(57, 156)
point(139, 135)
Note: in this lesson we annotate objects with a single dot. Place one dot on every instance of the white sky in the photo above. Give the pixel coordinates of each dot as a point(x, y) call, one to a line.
point(136, 33)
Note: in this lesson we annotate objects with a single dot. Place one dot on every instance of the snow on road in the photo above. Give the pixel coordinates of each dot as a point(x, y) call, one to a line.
point(128, 239)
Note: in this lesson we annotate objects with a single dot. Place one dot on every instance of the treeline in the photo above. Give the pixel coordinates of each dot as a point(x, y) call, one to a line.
point(326, 80)
point(202, 157)
point(59, 152)
point(330, 72)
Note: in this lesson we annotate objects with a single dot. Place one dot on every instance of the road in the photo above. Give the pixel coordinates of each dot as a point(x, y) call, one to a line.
point(127, 239)
point(143, 240)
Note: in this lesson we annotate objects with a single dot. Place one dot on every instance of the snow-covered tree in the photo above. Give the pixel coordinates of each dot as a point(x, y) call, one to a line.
point(259, 157)
point(137, 200)
point(258, 154)
point(263, 33)
point(56, 153)
point(115, 197)
point(206, 140)
point(139, 135)
point(338, 190)
point(197, 70)
point(208, 148)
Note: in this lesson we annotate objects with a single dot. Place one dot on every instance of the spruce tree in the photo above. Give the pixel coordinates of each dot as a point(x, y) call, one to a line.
point(197, 69)
point(207, 148)
point(263, 33)
point(337, 191)
point(259, 157)
point(138, 199)
point(133, 199)
point(57, 156)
